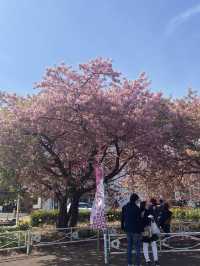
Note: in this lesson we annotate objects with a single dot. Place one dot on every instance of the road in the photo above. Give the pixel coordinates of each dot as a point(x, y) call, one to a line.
point(9, 216)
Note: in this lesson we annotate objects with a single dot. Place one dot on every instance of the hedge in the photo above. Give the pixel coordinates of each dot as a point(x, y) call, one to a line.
point(187, 214)
point(41, 217)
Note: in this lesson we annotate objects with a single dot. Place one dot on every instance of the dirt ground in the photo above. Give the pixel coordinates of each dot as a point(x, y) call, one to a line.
point(86, 255)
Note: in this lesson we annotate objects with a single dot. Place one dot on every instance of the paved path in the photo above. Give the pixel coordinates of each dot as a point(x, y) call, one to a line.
point(87, 256)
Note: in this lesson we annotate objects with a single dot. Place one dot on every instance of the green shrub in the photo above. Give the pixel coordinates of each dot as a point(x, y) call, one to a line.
point(84, 216)
point(5, 229)
point(114, 215)
point(86, 233)
point(41, 217)
point(187, 214)
point(23, 226)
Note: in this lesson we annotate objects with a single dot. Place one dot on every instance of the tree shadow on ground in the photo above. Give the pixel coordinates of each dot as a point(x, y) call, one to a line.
point(85, 254)
point(88, 256)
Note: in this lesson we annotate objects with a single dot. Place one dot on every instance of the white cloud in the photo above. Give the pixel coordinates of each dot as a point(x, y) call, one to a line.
point(182, 18)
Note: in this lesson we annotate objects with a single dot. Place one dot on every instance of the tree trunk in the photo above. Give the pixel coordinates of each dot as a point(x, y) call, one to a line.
point(63, 218)
point(74, 211)
point(68, 218)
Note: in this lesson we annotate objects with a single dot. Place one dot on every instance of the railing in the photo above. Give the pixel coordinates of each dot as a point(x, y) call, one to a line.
point(13, 240)
point(25, 240)
point(115, 243)
point(114, 240)
point(185, 226)
point(64, 236)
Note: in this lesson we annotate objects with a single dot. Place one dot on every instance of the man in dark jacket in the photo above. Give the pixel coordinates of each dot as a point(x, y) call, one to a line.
point(131, 223)
point(154, 210)
point(165, 219)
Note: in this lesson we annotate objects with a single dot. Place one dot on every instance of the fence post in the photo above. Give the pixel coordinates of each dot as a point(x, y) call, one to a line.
point(18, 238)
point(71, 234)
point(98, 241)
point(106, 255)
point(28, 246)
point(160, 242)
point(25, 238)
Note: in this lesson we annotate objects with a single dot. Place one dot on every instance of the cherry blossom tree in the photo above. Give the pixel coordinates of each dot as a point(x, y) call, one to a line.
point(80, 118)
point(178, 168)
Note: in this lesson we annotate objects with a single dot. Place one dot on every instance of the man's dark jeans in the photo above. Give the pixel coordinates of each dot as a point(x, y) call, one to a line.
point(166, 228)
point(134, 241)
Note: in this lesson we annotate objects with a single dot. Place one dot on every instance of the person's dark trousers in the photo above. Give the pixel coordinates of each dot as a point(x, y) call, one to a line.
point(134, 241)
point(166, 229)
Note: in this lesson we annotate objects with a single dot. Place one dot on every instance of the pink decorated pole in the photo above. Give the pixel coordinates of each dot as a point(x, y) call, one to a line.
point(97, 218)
point(98, 174)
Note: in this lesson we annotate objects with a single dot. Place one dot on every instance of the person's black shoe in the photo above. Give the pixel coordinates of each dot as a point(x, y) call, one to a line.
point(157, 263)
point(148, 263)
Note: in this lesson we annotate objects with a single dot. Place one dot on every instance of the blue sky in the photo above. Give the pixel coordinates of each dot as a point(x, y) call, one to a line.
point(159, 37)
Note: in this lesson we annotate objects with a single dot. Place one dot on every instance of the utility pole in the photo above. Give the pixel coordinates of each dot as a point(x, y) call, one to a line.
point(18, 209)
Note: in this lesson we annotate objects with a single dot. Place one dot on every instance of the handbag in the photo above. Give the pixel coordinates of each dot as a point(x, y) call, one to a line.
point(147, 232)
point(154, 229)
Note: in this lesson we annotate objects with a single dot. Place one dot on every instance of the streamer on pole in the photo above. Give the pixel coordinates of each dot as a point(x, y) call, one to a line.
point(97, 218)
